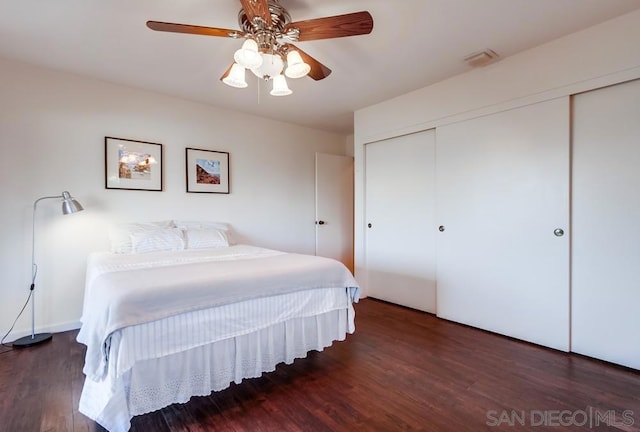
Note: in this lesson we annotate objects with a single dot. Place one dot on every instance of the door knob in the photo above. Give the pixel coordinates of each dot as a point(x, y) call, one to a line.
point(441, 228)
point(369, 225)
point(559, 232)
point(320, 222)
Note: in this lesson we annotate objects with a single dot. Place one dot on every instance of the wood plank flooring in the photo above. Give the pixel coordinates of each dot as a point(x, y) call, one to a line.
point(402, 370)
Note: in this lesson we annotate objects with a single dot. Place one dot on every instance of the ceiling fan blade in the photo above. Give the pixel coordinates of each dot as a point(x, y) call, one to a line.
point(192, 29)
point(257, 8)
point(318, 70)
point(353, 24)
point(224, 75)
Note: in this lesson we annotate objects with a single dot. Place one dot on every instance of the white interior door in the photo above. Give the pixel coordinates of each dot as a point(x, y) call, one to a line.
point(502, 190)
point(606, 224)
point(334, 207)
point(399, 206)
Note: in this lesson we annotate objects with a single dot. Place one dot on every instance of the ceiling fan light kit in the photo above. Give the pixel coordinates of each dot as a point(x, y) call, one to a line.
point(236, 77)
point(248, 56)
point(280, 87)
point(296, 67)
point(269, 34)
point(271, 67)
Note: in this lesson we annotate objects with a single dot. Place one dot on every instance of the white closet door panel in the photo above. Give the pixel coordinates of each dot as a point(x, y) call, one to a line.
point(606, 224)
point(502, 190)
point(400, 245)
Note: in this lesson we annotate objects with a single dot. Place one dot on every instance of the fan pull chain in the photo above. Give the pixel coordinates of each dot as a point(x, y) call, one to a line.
point(258, 87)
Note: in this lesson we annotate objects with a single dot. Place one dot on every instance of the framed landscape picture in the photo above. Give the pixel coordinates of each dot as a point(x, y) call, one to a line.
point(132, 165)
point(207, 171)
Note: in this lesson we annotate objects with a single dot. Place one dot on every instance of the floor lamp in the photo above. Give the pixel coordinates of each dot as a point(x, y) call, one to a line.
point(69, 205)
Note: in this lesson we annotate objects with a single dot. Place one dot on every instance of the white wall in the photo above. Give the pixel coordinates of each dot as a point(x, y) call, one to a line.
point(349, 143)
point(601, 55)
point(52, 129)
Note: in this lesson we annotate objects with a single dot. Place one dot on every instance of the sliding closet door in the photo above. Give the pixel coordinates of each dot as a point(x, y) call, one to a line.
point(606, 224)
point(400, 233)
point(503, 207)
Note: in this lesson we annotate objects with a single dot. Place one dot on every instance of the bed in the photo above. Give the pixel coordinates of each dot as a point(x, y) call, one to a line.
point(163, 324)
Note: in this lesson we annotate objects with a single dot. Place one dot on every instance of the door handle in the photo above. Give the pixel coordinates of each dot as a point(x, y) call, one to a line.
point(320, 222)
point(369, 225)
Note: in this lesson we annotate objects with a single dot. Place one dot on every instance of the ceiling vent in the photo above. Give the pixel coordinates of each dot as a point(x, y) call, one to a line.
point(481, 58)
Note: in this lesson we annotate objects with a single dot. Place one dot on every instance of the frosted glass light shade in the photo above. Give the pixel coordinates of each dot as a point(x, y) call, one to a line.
point(271, 67)
point(235, 77)
point(280, 87)
point(248, 56)
point(296, 68)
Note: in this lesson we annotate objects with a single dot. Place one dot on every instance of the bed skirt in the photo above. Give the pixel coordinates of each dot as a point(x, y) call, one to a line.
point(156, 383)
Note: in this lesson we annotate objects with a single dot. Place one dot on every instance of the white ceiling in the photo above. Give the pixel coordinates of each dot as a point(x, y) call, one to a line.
point(414, 43)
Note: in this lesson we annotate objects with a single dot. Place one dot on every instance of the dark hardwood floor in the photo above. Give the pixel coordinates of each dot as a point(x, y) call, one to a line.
point(402, 370)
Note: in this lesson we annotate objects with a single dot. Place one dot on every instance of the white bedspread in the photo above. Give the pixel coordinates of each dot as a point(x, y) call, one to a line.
point(129, 290)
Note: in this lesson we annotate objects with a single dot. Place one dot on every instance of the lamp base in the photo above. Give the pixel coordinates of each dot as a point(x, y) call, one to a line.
point(28, 341)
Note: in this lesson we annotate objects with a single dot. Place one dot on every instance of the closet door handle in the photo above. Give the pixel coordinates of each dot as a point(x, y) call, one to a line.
point(441, 228)
point(558, 232)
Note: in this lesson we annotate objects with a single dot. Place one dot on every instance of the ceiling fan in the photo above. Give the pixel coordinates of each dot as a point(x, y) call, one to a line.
point(269, 34)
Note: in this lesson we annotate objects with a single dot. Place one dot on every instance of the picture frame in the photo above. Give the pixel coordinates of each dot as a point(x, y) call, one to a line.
point(133, 165)
point(207, 171)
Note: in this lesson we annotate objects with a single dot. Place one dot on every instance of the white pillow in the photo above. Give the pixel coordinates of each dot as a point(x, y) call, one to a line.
point(222, 226)
point(120, 234)
point(197, 238)
point(160, 239)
